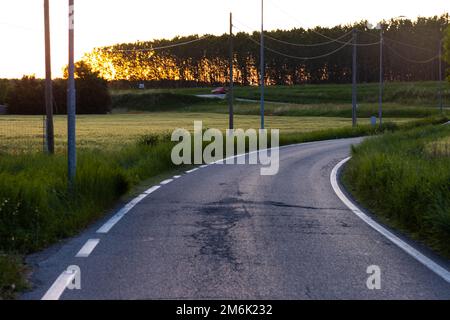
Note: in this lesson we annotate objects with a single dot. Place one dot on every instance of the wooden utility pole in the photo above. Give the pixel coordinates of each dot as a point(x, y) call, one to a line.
point(71, 100)
point(230, 92)
point(49, 131)
point(441, 108)
point(380, 94)
point(354, 72)
point(262, 67)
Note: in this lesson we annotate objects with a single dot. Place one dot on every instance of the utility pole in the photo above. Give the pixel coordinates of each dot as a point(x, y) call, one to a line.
point(440, 75)
point(230, 92)
point(354, 72)
point(380, 98)
point(262, 64)
point(71, 99)
point(49, 131)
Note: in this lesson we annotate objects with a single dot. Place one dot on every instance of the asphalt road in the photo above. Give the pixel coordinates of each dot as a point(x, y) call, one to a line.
point(227, 232)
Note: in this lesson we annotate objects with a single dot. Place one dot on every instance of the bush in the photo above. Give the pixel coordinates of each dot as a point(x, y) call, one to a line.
point(26, 96)
point(155, 101)
point(4, 86)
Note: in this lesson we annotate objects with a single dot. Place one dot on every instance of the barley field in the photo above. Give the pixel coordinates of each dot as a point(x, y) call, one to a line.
point(19, 134)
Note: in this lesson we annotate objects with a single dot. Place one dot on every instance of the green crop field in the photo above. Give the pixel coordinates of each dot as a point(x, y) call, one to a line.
point(410, 100)
point(411, 93)
point(25, 133)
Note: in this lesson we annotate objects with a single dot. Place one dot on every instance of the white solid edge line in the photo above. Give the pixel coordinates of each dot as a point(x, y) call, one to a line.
point(119, 215)
point(430, 264)
point(151, 190)
point(87, 249)
point(166, 181)
point(58, 287)
point(122, 212)
point(189, 171)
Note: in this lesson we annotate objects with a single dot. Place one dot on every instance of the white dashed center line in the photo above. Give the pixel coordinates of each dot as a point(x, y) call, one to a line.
point(87, 249)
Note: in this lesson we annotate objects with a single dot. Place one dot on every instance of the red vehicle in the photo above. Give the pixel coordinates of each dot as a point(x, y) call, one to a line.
point(219, 90)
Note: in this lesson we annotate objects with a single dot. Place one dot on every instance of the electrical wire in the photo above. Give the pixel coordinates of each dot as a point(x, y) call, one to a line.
point(399, 42)
point(412, 60)
point(307, 44)
point(297, 21)
point(337, 40)
point(331, 40)
point(302, 58)
point(162, 47)
point(22, 27)
point(297, 57)
point(15, 26)
point(407, 44)
point(290, 43)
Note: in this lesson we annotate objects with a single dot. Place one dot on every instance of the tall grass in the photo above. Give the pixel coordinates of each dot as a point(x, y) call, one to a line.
point(401, 180)
point(36, 206)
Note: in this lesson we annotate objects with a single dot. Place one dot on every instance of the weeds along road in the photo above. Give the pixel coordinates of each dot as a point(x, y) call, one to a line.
point(225, 231)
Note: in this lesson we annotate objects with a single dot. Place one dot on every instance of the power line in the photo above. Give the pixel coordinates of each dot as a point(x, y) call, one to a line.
point(308, 44)
point(297, 21)
point(412, 60)
point(408, 45)
point(302, 58)
point(22, 27)
point(398, 42)
point(337, 40)
point(331, 40)
point(162, 47)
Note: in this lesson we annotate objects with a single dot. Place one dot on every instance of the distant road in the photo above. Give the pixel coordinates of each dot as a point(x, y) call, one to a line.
point(224, 96)
point(226, 232)
point(212, 96)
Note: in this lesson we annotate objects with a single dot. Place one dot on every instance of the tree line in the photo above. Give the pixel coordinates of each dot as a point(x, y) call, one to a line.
point(27, 95)
point(408, 52)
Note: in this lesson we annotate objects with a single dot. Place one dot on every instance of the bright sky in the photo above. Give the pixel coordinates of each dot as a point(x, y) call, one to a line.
point(105, 22)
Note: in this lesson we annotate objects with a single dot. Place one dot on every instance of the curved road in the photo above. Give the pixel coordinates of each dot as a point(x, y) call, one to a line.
point(227, 232)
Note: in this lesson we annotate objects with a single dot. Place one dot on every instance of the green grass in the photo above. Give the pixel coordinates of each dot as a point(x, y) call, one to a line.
point(418, 99)
point(410, 93)
point(404, 178)
point(11, 276)
point(415, 93)
point(365, 110)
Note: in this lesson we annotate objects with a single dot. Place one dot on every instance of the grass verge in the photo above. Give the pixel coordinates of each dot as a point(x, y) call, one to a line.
point(37, 208)
point(404, 178)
